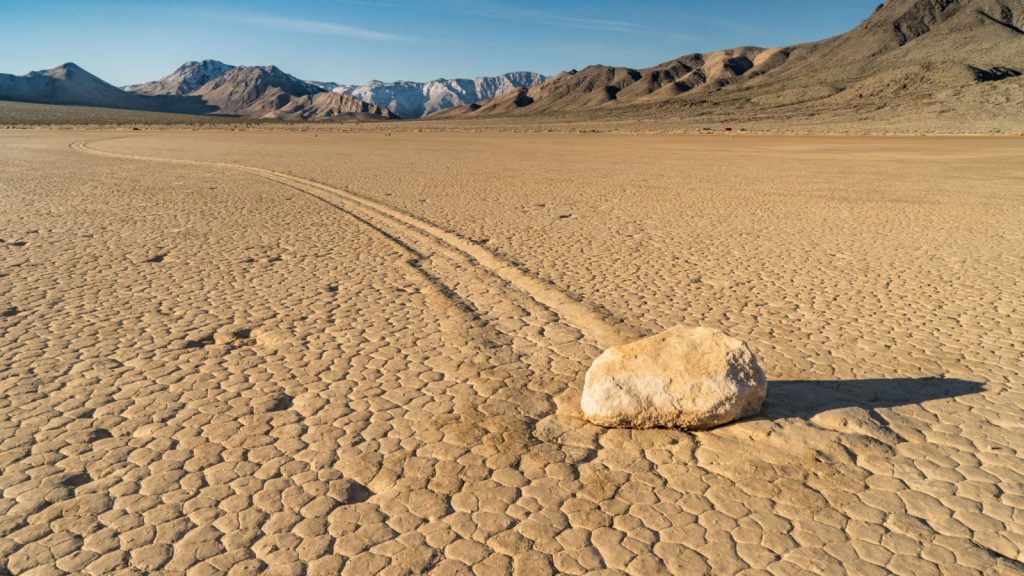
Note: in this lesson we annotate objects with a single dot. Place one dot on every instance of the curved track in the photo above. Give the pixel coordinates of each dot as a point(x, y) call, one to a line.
point(421, 236)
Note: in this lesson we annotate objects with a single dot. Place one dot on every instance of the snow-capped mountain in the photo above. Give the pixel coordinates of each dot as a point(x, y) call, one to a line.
point(188, 77)
point(418, 99)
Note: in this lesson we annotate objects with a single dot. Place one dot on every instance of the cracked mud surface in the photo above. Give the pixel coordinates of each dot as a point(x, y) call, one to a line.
point(363, 354)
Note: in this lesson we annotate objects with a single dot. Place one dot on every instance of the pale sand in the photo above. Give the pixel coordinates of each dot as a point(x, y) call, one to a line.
point(365, 354)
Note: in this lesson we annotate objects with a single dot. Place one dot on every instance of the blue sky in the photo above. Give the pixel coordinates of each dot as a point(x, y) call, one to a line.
point(354, 41)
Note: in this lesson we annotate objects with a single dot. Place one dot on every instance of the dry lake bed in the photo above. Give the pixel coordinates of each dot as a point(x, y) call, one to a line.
point(322, 352)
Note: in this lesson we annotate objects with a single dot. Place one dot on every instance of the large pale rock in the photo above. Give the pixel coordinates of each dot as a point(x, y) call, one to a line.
point(685, 377)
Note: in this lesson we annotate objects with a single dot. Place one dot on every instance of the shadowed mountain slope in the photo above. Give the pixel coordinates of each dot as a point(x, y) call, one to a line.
point(69, 84)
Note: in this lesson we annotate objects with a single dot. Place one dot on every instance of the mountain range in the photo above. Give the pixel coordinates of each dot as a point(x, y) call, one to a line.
point(208, 87)
point(953, 60)
point(403, 99)
point(952, 57)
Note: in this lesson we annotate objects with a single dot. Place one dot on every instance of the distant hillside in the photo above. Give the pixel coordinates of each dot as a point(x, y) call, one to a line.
point(418, 99)
point(29, 113)
point(952, 57)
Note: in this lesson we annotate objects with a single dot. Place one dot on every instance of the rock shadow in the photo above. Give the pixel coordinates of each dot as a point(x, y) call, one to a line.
point(200, 342)
point(75, 480)
point(357, 493)
point(805, 399)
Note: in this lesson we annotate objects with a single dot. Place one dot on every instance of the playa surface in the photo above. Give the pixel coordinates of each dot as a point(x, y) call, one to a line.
point(321, 353)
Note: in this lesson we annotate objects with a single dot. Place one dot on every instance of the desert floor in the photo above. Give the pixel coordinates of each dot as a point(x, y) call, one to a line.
point(316, 353)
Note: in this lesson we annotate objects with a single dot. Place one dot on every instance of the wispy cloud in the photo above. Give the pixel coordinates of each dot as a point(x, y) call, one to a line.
point(477, 8)
point(492, 10)
point(313, 27)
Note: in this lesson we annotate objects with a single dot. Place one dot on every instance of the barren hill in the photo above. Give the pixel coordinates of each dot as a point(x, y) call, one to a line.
point(268, 92)
point(940, 57)
point(70, 84)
